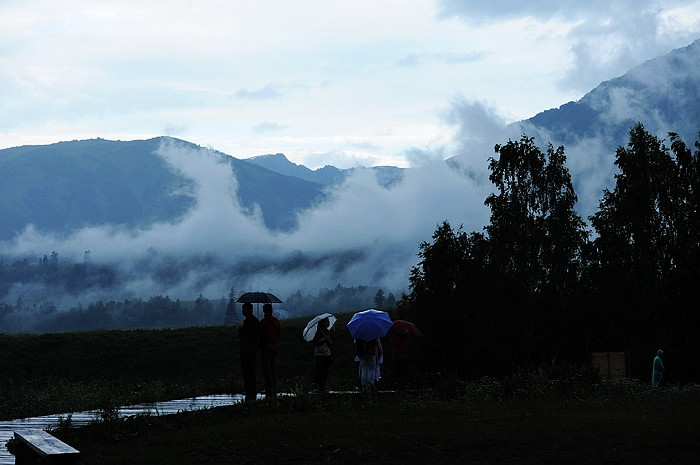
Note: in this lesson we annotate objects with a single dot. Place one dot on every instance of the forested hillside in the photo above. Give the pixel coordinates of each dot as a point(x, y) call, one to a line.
point(538, 286)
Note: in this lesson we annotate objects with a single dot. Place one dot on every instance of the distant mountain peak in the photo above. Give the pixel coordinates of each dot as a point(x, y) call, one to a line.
point(329, 174)
point(270, 156)
point(279, 163)
point(661, 93)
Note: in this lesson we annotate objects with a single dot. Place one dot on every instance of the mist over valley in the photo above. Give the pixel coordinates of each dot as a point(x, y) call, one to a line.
point(99, 220)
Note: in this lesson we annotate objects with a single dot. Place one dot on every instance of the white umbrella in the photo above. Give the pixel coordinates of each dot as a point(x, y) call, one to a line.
point(310, 330)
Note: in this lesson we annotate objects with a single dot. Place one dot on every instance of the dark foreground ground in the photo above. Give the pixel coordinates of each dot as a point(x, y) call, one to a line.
point(567, 416)
point(407, 429)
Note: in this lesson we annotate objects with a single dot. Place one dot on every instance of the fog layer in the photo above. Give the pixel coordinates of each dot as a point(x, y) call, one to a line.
point(365, 234)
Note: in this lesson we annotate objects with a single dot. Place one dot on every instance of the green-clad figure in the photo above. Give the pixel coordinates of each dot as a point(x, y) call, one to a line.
point(657, 371)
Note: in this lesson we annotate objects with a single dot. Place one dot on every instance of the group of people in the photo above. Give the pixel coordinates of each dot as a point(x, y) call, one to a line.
point(369, 354)
point(263, 335)
point(258, 335)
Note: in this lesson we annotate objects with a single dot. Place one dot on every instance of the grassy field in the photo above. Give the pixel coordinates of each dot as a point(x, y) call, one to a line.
point(63, 372)
point(525, 418)
point(407, 428)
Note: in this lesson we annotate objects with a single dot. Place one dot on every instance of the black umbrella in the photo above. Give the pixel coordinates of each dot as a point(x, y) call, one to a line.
point(259, 298)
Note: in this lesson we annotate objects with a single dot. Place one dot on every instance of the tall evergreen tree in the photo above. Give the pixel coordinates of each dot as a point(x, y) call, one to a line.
point(231, 314)
point(379, 299)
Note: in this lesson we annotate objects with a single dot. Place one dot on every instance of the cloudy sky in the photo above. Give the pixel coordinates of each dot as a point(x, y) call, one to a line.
point(324, 82)
point(406, 83)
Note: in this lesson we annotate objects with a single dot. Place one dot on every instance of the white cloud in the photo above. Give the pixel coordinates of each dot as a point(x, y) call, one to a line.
point(604, 39)
point(268, 127)
point(365, 234)
point(352, 84)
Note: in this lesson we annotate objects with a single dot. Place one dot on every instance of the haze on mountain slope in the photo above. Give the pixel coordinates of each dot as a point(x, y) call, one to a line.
point(209, 219)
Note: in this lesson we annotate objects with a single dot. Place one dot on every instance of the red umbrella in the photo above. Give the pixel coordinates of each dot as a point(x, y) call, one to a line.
point(405, 327)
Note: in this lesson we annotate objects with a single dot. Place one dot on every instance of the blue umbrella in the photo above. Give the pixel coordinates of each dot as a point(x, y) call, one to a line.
point(369, 324)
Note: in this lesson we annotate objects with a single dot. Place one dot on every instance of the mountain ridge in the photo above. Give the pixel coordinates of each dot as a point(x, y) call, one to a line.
point(327, 175)
point(279, 163)
point(68, 185)
point(662, 93)
point(186, 221)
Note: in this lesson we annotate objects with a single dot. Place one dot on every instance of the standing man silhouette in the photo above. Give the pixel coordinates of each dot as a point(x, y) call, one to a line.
point(249, 336)
point(322, 353)
point(657, 369)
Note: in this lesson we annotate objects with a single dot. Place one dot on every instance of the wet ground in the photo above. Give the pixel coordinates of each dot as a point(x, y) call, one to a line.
point(7, 428)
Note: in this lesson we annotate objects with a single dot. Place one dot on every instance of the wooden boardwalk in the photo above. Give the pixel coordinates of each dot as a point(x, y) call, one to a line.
point(7, 428)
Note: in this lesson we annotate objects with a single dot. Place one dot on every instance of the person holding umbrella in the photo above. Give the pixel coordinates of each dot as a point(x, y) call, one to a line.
point(368, 353)
point(366, 327)
point(249, 335)
point(400, 332)
point(322, 353)
point(399, 355)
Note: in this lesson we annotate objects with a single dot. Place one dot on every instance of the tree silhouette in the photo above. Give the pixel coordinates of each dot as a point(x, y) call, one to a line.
point(379, 299)
point(231, 315)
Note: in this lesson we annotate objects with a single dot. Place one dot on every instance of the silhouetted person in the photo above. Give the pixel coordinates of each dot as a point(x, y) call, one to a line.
point(657, 369)
point(269, 336)
point(399, 355)
point(248, 335)
point(322, 353)
point(366, 353)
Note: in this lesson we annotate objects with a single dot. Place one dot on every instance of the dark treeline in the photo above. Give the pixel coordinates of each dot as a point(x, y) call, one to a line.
point(340, 299)
point(538, 289)
point(156, 312)
point(159, 311)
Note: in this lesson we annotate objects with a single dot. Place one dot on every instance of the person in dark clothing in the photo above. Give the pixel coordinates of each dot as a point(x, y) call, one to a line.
point(249, 336)
point(399, 355)
point(657, 369)
point(269, 336)
point(322, 353)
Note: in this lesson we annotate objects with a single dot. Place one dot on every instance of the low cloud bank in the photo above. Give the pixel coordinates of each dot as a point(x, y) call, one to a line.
point(365, 234)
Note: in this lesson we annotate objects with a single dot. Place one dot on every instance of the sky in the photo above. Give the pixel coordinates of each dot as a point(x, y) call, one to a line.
point(326, 83)
point(360, 83)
